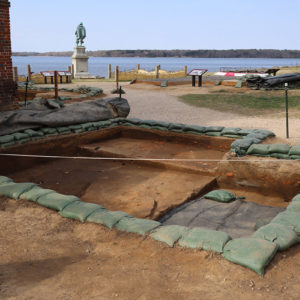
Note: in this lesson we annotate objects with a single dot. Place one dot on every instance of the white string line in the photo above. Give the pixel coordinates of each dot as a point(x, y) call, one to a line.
point(137, 159)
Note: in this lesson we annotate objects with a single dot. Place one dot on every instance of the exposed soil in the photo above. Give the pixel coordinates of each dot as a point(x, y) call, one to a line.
point(44, 256)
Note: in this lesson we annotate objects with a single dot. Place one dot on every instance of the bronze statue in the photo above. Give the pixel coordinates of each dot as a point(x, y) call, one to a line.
point(80, 34)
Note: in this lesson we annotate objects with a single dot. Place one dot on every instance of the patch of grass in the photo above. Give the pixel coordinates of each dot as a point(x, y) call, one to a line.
point(243, 104)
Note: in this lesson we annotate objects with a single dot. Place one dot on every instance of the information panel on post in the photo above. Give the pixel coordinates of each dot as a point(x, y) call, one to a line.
point(199, 73)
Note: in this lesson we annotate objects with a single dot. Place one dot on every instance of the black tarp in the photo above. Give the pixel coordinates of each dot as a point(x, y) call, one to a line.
point(274, 81)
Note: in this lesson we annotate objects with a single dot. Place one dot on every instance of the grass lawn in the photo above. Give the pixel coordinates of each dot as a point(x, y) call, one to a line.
point(251, 104)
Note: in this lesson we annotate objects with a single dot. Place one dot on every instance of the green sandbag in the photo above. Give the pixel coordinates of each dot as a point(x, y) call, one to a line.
point(63, 129)
point(34, 193)
point(134, 121)
point(22, 141)
point(129, 124)
point(14, 190)
point(213, 133)
point(195, 128)
point(256, 135)
point(134, 225)
point(33, 133)
point(279, 148)
point(244, 143)
point(159, 128)
point(295, 150)
point(258, 149)
point(107, 218)
point(7, 144)
point(279, 234)
point(80, 210)
point(4, 139)
point(149, 122)
point(104, 124)
point(74, 127)
point(280, 155)
point(20, 136)
point(230, 131)
point(210, 240)
point(264, 132)
point(4, 179)
point(48, 130)
point(220, 196)
point(79, 130)
point(162, 124)
point(194, 132)
point(177, 127)
point(245, 132)
point(232, 136)
point(65, 132)
point(296, 198)
point(56, 201)
point(86, 126)
point(169, 234)
point(294, 206)
point(290, 219)
point(214, 128)
point(254, 254)
point(295, 157)
point(145, 126)
point(51, 134)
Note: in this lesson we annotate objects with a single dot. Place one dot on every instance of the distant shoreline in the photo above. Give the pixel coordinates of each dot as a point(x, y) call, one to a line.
point(238, 53)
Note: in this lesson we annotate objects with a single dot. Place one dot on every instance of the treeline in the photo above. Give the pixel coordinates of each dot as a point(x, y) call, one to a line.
point(232, 53)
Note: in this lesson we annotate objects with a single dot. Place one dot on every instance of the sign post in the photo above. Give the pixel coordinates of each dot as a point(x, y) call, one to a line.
point(199, 73)
point(286, 109)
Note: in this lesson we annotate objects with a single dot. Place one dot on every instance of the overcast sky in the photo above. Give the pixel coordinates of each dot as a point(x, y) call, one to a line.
point(39, 25)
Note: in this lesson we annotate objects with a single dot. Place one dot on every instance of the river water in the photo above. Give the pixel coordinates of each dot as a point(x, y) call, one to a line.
point(98, 65)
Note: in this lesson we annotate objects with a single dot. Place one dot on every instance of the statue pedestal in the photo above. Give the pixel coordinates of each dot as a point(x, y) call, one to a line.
point(80, 62)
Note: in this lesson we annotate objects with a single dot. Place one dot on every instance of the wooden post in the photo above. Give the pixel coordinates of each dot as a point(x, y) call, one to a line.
point(117, 77)
point(29, 72)
point(137, 67)
point(109, 71)
point(193, 80)
point(55, 85)
point(16, 78)
point(72, 71)
point(185, 70)
point(157, 68)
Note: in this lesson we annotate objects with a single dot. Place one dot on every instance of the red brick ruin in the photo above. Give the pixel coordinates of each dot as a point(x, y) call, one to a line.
point(7, 85)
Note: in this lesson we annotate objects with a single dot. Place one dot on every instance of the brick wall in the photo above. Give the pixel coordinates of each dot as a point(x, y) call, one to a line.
point(7, 85)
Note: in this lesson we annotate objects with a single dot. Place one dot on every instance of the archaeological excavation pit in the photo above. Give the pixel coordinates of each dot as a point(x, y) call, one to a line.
point(159, 175)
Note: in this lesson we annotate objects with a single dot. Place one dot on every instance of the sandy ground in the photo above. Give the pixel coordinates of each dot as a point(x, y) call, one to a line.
point(44, 256)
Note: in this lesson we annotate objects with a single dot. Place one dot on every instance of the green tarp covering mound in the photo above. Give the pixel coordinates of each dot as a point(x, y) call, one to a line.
point(56, 201)
point(14, 190)
point(254, 254)
point(133, 225)
point(80, 210)
point(279, 234)
point(201, 238)
point(220, 196)
point(290, 219)
point(34, 193)
point(169, 234)
point(106, 217)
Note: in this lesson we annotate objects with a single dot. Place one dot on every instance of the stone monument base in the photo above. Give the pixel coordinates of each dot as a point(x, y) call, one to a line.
point(80, 63)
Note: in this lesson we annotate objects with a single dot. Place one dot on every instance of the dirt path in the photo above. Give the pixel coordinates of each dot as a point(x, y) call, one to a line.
point(44, 256)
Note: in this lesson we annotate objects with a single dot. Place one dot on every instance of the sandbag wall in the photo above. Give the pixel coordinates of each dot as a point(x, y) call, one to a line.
point(247, 137)
point(254, 252)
